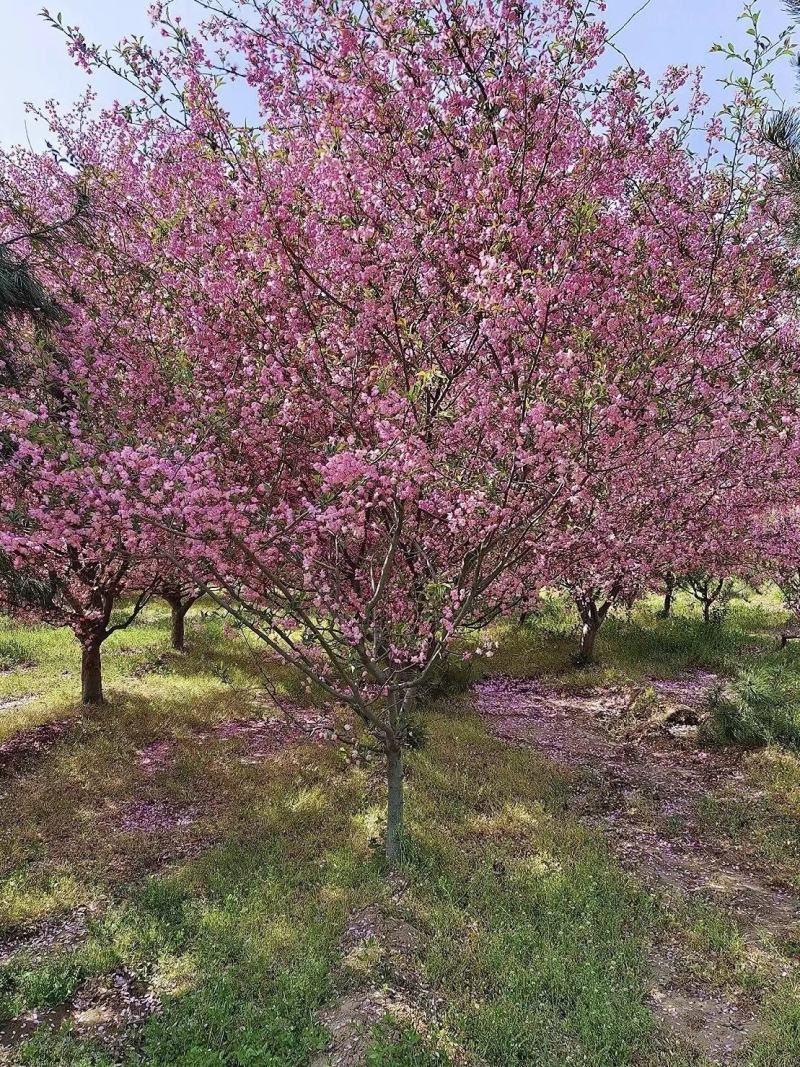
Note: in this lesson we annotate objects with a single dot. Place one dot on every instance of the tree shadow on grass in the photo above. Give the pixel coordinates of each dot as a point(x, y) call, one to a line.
point(224, 883)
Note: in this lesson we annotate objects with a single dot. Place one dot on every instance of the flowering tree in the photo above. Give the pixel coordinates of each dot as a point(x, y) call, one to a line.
point(777, 557)
point(711, 592)
point(599, 571)
point(23, 302)
point(686, 513)
point(416, 320)
point(71, 558)
point(77, 392)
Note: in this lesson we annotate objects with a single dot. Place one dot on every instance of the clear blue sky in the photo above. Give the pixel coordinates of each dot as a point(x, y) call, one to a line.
point(34, 65)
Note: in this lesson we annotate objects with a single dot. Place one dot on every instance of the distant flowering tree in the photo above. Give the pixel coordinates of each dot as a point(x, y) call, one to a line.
point(679, 521)
point(777, 556)
point(70, 558)
point(72, 548)
point(407, 327)
point(712, 593)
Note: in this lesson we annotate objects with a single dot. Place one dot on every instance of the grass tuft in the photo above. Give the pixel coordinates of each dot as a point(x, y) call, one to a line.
point(761, 706)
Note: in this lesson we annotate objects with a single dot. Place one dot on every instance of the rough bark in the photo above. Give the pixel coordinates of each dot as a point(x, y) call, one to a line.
point(178, 624)
point(593, 615)
point(179, 606)
point(91, 673)
point(178, 629)
point(589, 632)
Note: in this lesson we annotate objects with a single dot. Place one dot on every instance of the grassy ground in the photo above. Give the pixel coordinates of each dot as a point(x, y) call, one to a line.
point(531, 938)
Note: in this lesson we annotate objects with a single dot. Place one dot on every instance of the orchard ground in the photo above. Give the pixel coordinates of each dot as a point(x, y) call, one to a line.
point(188, 877)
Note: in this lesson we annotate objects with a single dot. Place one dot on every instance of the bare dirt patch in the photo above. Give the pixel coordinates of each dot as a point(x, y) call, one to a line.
point(640, 781)
point(166, 832)
point(12, 703)
point(110, 1006)
point(53, 934)
point(262, 739)
point(379, 978)
point(155, 757)
point(155, 816)
point(107, 1009)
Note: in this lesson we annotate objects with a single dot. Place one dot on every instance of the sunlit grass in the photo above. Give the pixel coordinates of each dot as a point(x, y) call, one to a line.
point(534, 940)
point(550, 965)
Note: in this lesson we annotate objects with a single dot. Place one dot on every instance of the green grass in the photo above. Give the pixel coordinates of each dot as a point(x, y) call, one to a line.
point(778, 1042)
point(550, 966)
point(760, 706)
point(637, 644)
point(532, 938)
point(771, 827)
point(398, 1044)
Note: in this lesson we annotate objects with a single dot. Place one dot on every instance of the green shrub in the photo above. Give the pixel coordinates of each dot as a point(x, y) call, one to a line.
point(758, 708)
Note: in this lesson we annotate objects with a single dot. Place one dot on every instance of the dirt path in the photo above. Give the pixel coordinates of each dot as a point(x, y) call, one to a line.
point(641, 782)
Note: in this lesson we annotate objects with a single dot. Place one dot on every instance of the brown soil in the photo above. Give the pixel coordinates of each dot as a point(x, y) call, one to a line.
point(106, 1009)
point(52, 934)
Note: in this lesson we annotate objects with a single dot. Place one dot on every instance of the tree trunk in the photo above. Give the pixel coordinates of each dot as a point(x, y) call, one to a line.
point(178, 626)
point(706, 611)
point(179, 609)
point(91, 674)
point(588, 637)
point(394, 809)
point(669, 594)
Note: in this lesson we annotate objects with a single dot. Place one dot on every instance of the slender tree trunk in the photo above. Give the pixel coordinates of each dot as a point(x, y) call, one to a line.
point(592, 618)
point(180, 609)
point(178, 626)
point(706, 611)
point(669, 595)
point(399, 710)
point(394, 810)
point(178, 629)
point(589, 631)
point(91, 673)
